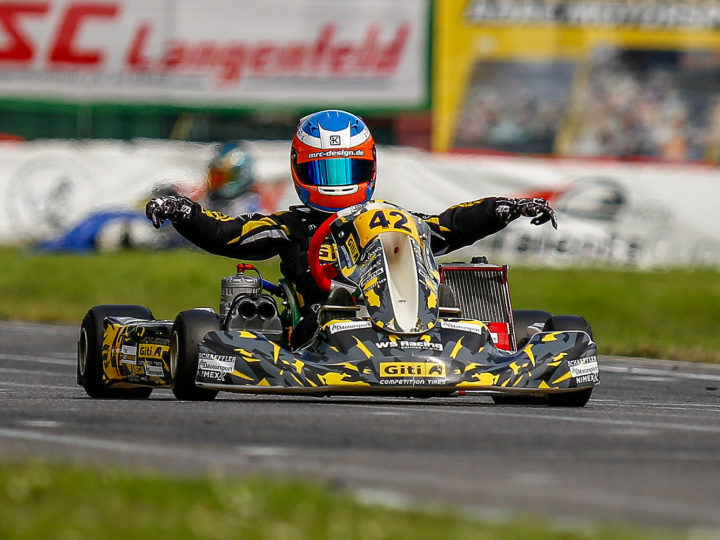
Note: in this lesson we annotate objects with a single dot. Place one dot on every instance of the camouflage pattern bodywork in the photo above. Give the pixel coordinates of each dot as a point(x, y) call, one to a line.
point(351, 356)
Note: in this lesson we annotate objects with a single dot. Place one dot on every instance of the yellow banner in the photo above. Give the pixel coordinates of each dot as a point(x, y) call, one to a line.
point(587, 78)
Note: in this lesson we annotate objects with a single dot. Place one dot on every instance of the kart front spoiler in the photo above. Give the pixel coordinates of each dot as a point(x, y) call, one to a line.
point(552, 362)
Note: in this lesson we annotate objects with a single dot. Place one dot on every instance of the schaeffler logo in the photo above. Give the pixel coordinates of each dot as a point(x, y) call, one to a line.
point(64, 46)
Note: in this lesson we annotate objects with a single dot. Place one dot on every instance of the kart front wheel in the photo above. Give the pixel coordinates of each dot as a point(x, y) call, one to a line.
point(188, 331)
point(90, 352)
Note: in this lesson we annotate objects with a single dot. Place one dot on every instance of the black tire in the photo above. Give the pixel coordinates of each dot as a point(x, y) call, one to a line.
point(188, 331)
point(569, 322)
point(508, 399)
point(570, 399)
point(523, 318)
point(89, 352)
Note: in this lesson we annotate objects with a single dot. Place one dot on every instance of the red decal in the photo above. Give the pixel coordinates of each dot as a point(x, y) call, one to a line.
point(500, 333)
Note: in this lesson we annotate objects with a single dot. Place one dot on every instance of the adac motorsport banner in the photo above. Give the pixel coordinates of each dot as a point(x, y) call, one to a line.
point(626, 78)
point(216, 52)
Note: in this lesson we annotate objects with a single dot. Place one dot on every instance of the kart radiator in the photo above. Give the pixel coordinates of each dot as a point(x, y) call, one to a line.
point(482, 292)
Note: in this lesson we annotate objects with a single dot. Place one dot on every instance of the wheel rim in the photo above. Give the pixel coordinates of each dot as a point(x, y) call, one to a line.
point(83, 352)
point(174, 351)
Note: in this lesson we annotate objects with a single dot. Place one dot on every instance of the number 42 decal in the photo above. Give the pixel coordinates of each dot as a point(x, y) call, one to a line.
point(370, 224)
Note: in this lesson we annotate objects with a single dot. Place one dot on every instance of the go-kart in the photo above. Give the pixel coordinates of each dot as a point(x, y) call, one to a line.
point(396, 323)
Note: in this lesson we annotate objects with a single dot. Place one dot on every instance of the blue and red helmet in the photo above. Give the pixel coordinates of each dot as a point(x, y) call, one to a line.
point(333, 160)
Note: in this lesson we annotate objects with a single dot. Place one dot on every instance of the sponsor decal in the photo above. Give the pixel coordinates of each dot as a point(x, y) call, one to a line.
point(414, 381)
point(210, 374)
point(583, 367)
point(413, 369)
point(476, 328)
point(336, 153)
point(128, 354)
point(152, 351)
point(216, 362)
point(593, 378)
point(129, 350)
point(409, 345)
point(345, 326)
point(153, 369)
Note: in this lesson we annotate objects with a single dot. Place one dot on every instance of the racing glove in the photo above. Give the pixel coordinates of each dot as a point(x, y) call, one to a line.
point(538, 209)
point(172, 207)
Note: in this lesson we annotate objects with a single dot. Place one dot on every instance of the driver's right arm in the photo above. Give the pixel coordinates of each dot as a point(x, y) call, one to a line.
point(250, 236)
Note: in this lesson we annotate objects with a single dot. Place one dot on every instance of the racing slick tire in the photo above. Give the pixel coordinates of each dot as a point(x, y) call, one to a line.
point(524, 318)
point(569, 322)
point(89, 352)
point(188, 331)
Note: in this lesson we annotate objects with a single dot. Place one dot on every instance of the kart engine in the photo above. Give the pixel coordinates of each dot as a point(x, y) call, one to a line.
point(245, 307)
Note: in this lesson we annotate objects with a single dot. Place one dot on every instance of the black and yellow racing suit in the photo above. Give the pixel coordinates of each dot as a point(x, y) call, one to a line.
point(287, 234)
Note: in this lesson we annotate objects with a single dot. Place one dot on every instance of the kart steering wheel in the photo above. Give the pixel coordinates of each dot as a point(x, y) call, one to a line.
point(322, 273)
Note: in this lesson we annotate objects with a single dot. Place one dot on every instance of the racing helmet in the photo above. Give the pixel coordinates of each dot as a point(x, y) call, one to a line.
point(333, 160)
point(230, 172)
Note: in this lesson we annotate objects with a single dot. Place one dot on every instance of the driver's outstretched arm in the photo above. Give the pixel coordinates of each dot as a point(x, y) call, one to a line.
point(463, 224)
point(251, 236)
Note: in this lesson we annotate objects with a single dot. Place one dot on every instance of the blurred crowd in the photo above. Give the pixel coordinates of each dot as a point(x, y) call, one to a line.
point(626, 112)
point(509, 119)
point(650, 108)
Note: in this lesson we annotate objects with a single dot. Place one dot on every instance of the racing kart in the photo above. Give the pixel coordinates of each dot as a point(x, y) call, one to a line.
point(396, 323)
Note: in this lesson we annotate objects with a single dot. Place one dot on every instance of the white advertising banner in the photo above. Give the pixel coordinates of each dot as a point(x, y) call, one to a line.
point(46, 187)
point(609, 212)
point(236, 53)
point(631, 214)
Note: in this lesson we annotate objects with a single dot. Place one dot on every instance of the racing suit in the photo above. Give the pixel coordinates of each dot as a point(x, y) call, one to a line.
point(288, 234)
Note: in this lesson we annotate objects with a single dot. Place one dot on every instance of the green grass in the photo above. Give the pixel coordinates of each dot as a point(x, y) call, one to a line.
point(57, 502)
point(669, 314)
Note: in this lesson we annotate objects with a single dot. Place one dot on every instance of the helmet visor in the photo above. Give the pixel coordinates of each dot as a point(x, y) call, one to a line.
point(335, 172)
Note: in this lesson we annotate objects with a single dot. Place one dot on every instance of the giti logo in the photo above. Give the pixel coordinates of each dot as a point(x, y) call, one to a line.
point(152, 351)
point(412, 369)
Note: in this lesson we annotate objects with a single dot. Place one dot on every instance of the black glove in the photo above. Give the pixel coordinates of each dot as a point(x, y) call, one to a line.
point(537, 208)
point(170, 207)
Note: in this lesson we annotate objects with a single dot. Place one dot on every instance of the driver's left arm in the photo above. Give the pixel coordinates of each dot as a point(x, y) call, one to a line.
point(463, 224)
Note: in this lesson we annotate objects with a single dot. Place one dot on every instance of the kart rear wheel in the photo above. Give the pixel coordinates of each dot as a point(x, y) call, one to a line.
point(90, 349)
point(569, 322)
point(524, 318)
point(188, 331)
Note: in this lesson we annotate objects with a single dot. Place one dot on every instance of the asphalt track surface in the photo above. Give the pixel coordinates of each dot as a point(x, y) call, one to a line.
point(644, 451)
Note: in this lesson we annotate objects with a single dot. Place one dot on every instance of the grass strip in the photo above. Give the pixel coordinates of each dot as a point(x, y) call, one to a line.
point(39, 500)
point(670, 313)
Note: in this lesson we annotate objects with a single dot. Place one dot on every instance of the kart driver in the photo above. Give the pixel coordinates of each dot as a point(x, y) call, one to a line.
point(333, 164)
